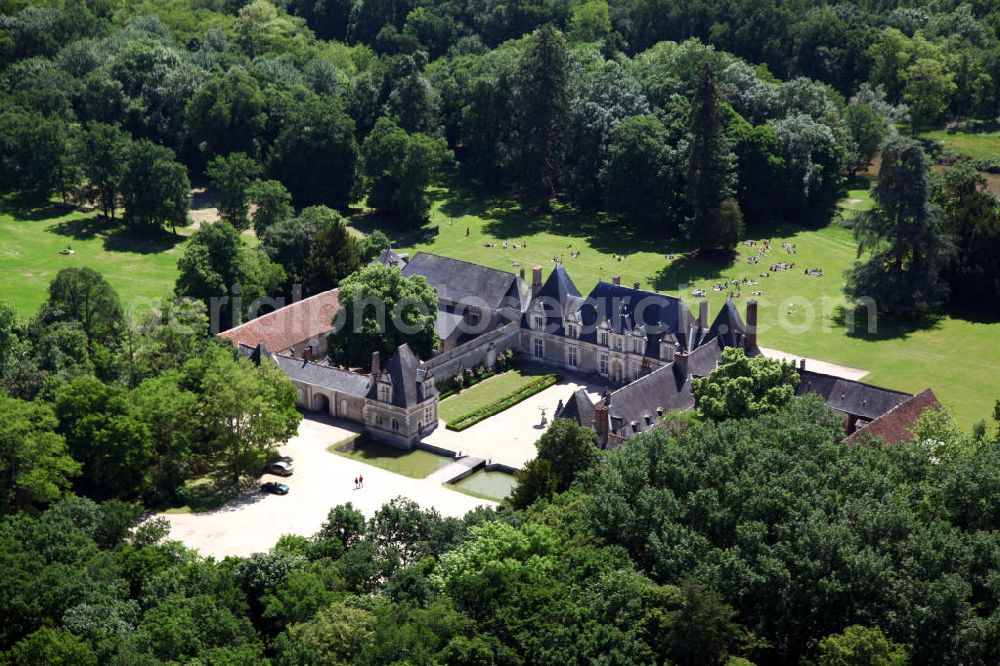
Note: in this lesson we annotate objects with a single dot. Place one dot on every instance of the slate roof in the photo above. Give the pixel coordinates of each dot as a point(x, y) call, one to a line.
point(634, 407)
point(728, 328)
point(626, 308)
point(897, 424)
point(314, 374)
point(862, 400)
point(406, 375)
point(288, 326)
point(578, 408)
point(389, 258)
point(461, 281)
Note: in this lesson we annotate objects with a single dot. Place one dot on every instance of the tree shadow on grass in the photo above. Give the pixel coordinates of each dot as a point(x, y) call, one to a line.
point(859, 325)
point(686, 270)
point(117, 238)
point(29, 211)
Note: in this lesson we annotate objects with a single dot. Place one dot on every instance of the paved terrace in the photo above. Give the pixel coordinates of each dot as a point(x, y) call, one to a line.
point(253, 522)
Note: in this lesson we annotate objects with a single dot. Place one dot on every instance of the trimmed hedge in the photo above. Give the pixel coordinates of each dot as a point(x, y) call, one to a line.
point(472, 418)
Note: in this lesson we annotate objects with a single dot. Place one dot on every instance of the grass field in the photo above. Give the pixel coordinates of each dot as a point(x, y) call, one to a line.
point(977, 145)
point(142, 270)
point(484, 393)
point(957, 356)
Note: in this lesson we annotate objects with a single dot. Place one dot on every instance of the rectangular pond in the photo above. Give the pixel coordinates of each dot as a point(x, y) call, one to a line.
point(416, 464)
point(490, 485)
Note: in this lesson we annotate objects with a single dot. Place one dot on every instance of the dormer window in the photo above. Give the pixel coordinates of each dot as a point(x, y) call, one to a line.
point(604, 338)
point(539, 322)
point(572, 331)
point(667, 350)
point(385, 392)
point(428, 387)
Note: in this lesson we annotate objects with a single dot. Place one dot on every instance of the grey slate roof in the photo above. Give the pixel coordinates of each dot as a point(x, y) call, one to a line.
point(578, 408)
point(863, 400)
point(728, 328)
point(407, 376)
point(626, 308)
point(462, 281)
point(314, 374)
point(387, 257)
point(324, 376)
point(638, 403)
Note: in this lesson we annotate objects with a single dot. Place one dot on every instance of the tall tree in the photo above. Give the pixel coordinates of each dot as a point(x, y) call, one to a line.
point(638, 173)
point(565, 451)
point(334, 254)
point(155, 188)
point(399, 167)
point(316, 153)
point(35, 465)
point(542, 101)
point(375, 299)
point(272, 204)
point(227, 114)
point(233, 176)
point(906, 249)
point(970, 215)
point(101, 153)
point(744, 386)
point(715, 220)
point(83, 295)
point(868, 131)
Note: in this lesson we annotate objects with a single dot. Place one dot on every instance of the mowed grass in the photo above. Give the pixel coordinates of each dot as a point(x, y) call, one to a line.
point(141, 268)
point(482, 394)
point(976, 145)
point(958, 356)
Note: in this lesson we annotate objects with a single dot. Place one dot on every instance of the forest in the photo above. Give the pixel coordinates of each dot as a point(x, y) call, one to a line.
point(698, 120)
point(721, 538)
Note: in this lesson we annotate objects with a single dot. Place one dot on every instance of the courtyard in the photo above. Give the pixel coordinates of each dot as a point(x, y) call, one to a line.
point(253, 522)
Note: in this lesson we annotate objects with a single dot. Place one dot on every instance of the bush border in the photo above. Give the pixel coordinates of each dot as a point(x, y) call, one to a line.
point(506, 402)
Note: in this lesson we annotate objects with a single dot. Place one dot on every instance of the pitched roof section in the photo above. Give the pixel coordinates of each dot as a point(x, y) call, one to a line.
point(578, 408)
point(728, 328)
point(558, 286)
point(461, 281)
point(288, 326)
point(407, 375)
point(897, 424)
point(307, 372)
point(635, 407)
point(862, 400)
point(626, 308)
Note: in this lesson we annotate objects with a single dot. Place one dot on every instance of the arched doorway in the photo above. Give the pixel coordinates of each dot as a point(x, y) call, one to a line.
point(343, 409)
point(321, 403)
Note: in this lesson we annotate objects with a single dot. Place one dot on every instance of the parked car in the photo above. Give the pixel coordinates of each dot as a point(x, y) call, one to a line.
point(274, 488)
point(280, 467)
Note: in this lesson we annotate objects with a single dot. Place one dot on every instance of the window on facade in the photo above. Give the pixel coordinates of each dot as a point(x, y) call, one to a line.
point(539, 348)
point(429, 414)
point(571, 356)
point(395, 425)
point(635, 372)
point(604, 338)
point(378, 420)
point(604, 365)
point(385, 393)
point(571, 331)
point(618, 343)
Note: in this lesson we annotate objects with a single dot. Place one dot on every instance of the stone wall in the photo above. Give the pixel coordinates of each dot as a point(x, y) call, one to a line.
point(482, 349)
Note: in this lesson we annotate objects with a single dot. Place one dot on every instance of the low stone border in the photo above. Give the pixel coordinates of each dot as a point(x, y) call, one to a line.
point(514, 397)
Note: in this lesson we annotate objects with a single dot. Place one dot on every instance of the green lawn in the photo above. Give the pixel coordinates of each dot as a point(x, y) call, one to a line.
point(976, 145)
point(141, 269)
point(482, 394)
point(958, 357)
point(416, 464)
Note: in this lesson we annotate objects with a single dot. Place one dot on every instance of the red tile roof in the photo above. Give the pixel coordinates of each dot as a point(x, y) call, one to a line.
point(290, 325)
point(897, 424)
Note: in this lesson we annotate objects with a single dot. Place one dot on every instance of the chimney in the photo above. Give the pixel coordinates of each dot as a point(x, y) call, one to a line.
point(601, 422)
point(703, 314)
point(635, 285)
point(802, 364)
point(536, 280)
point(376, 364)
point(521, 273)
point(616, 280)
point(751, 341)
